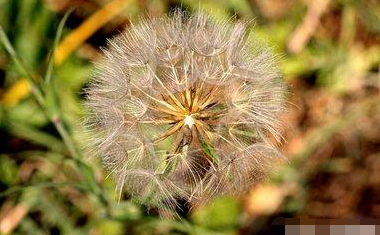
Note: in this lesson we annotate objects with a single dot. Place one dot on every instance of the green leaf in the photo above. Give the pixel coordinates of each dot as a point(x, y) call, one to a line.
point(36, 136)
point(109, 227)
point(8, 170)
point(221, 214)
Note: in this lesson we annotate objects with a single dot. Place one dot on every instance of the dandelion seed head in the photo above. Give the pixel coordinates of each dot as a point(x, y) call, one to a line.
point(185, 108)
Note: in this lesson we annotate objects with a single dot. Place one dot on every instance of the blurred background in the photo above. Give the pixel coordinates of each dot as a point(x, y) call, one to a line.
point(329, 55)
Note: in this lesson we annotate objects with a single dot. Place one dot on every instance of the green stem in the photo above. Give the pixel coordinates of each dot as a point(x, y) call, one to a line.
point(17, 60)
point(56, 120)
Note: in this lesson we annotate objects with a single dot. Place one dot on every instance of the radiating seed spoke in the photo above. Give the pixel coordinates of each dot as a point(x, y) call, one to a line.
point(163, 103)
point(177, 142)
point(197, 94)
point(175, 103)
point(210, 114)
point(188, 97)
point(183, 98)
point(204, 128)
point(169, 132)
point(208, 98)
point(167, 90)
point(171, 112)
point(159, 121)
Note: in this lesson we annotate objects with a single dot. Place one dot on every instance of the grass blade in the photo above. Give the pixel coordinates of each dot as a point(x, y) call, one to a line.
point(58, 35)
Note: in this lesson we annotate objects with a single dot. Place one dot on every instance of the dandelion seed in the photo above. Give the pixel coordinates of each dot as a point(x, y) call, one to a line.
point(184, 108)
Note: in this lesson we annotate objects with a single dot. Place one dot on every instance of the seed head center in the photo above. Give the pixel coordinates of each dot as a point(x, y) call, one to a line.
point(189, 121)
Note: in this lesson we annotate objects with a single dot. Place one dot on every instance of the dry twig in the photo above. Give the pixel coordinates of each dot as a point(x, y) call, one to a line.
point(305, 31)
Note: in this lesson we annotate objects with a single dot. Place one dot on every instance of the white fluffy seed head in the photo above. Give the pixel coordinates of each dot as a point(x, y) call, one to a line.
point(184, 108)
